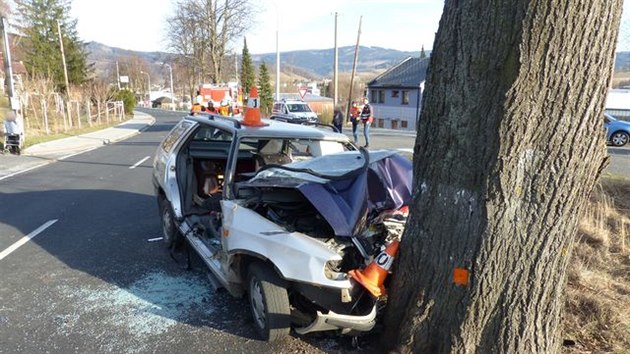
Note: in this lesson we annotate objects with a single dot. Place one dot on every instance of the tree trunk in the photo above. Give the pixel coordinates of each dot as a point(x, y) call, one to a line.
point(510, 144)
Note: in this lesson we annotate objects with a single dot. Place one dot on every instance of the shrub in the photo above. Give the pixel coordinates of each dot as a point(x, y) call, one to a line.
point(128, 98)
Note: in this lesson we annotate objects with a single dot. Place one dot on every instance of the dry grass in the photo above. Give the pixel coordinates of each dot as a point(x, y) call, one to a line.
point(597, 315)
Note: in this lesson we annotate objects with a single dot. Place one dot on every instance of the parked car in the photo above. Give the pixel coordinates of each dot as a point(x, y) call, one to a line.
point(293, 111)
point(617, 131)
point(282, 213)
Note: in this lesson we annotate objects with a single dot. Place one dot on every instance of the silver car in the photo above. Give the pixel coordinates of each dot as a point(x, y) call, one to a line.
point(282, 213)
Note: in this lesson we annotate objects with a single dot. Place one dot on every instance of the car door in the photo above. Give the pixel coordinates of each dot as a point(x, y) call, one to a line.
point(166, 163)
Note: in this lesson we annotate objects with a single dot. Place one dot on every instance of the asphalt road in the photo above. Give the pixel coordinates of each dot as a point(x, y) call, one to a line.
point(90, 282)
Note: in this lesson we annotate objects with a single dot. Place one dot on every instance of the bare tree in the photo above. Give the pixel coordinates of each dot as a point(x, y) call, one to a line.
point(203, 29)
point(510, 144)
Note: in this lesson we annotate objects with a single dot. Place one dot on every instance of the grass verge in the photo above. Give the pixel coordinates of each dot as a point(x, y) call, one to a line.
point(597, 307)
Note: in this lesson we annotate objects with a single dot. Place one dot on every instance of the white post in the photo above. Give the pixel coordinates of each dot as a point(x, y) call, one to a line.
point(89, 112)
point(45, 111)
point(98, 112)
point(65, 123)
point(170, 69)
point(78, 114)
point(107, 112)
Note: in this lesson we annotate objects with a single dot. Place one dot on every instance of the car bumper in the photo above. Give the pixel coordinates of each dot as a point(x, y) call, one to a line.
point(346, 323)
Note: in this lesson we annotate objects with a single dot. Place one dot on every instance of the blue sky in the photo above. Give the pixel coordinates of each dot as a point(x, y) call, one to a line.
point(302, 24)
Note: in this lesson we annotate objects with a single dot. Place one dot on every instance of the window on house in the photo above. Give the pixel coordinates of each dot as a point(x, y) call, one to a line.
point(395, 93)
point(372, 96)
point(381, 122)
point(405, 97)
point(394, 124)
point(403, 124)
point(381, 96)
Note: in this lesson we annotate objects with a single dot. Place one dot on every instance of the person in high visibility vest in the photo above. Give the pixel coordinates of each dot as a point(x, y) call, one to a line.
point(366, 118)
point(225, 109)
point(355, 113)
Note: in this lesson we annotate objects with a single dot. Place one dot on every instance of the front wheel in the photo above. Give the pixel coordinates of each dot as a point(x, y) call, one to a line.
point(619, 138)
point(269, 302)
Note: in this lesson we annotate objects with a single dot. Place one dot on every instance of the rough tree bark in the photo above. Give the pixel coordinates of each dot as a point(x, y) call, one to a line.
point(509, 146)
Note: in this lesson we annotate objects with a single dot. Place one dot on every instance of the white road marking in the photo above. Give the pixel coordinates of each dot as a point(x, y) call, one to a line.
point(26, 238)
point(155, 239)
point(139, 162)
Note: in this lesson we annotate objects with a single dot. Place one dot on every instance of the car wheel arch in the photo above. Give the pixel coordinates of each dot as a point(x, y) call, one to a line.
point(243, 258)
point(619, 131)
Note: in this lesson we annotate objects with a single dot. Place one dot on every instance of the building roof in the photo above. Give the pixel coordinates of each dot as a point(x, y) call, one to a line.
point(17, 66)
point(410, 73)
point(309, 97)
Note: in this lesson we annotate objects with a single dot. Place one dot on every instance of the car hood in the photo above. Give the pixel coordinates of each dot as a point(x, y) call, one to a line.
point(346, 187)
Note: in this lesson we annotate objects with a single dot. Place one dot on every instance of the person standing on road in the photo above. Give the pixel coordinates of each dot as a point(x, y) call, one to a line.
point(366, 118)
point(355, 112)
point(211, 108)
point(338, 119)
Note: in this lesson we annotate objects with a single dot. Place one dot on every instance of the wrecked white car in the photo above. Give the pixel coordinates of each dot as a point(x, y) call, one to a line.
point(283, 213)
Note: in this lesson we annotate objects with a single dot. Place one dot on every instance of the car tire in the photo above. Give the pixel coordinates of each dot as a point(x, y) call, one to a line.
point(169, 231)
point(619, 138)
point(269, 302)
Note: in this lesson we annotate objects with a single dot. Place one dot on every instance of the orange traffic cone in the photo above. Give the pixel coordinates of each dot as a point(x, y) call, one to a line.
point(373, 276)
point(252, 114)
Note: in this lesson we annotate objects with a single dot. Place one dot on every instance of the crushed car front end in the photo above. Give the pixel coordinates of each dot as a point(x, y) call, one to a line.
point(317, 221)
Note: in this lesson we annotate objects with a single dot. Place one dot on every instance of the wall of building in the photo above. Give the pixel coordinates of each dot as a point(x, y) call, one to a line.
point(389, 110)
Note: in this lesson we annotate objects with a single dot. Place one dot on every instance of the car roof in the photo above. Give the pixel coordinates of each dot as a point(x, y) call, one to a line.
point(272, 129)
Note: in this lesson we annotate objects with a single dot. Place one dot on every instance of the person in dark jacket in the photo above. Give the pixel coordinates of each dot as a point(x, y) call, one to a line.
point(366, 118)
point(338, 119)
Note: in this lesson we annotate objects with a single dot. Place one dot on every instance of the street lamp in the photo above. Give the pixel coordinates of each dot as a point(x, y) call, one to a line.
point(149, 79)
point(277, 52)
point(170, 69)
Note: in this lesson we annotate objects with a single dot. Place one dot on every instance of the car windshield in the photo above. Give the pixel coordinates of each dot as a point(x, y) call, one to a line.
point(298, 107)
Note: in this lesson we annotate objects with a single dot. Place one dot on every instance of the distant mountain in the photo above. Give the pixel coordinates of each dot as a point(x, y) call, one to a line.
point(320, 62)
point(314, 64)
point(311, 64)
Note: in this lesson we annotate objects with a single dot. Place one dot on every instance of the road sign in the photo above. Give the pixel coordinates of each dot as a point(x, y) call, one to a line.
point(302, 91)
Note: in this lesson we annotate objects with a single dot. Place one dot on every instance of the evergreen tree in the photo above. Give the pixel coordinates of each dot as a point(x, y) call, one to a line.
point(248, 76)
point(422, 53)
point(38, 23)
point(264, 90)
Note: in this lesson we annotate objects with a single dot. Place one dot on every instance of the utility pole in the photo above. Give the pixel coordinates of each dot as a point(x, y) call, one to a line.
point(8, 68)
point(117, 76)
point(277, 64)
point(336, 66)
point(354, 66)
point(63, 59)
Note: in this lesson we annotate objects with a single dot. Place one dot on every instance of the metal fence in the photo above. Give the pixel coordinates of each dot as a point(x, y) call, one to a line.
point(52, 114)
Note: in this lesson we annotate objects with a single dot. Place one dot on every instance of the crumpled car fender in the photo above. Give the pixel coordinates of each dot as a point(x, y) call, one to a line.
point(297, 257)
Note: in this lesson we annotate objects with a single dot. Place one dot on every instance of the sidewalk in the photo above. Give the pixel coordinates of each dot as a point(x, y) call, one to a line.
point(42, 154)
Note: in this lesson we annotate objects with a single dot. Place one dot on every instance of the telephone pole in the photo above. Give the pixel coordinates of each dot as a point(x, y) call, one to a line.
point(354, 66)
point(63, 59)
point(336, 66)
point(117, 76)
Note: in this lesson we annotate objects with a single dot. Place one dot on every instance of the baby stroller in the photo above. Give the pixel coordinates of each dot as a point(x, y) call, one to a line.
point(12, 135)
point(12, 143)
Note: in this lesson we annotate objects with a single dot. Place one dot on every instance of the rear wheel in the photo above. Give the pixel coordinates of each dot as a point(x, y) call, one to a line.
point(619, 138)
point(169, 231)
point(269, 302)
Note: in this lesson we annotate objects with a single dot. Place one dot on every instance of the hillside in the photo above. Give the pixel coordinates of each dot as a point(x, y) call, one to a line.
point(300, 64)
point(308, 64)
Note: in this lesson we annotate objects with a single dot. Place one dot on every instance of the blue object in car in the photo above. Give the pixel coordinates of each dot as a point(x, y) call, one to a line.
point(617, 131)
